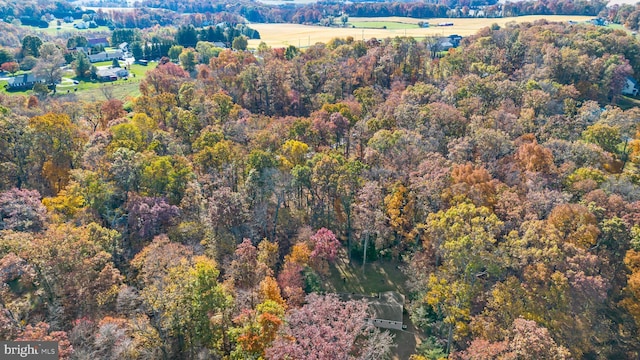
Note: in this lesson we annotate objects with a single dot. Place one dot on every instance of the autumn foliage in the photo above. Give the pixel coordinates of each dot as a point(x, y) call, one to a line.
point(215, 215)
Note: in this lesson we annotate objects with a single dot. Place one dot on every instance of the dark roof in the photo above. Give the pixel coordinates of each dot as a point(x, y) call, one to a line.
point(23, 79)
point(97, 41)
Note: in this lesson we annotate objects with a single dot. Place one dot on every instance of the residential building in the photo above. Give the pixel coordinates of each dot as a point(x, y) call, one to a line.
point(24, 81)
point(111, 74)
point(106, 56)
point(98, 42)
point(631, 87)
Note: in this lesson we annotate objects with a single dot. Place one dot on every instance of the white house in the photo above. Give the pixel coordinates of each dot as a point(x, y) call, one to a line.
point(106, 56)
point(445, 45)
point(111, 74)
point(631, 87)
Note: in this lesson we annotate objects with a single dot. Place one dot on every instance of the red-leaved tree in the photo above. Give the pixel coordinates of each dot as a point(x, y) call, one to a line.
point(325, 249)
point(327, 328)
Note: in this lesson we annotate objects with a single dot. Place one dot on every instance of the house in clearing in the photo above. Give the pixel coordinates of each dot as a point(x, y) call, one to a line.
point(631, 87)
point(106, 56)
point(22, 82)
point(98, 42)
point(387, 308)
point(111, 74)
point(445, 45)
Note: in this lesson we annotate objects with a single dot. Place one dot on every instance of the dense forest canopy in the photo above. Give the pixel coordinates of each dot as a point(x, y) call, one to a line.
point(202, 218)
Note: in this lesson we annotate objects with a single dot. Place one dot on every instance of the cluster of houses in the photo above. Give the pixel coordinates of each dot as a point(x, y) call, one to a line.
point(104, 55)
point(106, 73)
point(27, 81)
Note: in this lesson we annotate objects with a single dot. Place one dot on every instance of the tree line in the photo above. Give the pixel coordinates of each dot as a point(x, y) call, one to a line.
point(203, 217)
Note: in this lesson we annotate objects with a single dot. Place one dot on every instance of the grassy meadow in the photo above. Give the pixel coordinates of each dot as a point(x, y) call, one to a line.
point(282, 35)
point(120, 89)
point(96, 90)
point(392, 25)
point(54, 29)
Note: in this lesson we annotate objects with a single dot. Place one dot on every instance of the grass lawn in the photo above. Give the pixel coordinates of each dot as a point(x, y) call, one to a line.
point(3, 90)
point(626, 102)
point(102, 63)
point(120, 89)
point(54, 29)
point(617, 26)
point(96, 90)
point(379, 276)
point(141, 70)
point(382, 25)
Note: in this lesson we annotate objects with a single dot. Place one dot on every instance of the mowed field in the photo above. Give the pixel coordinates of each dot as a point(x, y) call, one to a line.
point(282, 35)
point(54, 29)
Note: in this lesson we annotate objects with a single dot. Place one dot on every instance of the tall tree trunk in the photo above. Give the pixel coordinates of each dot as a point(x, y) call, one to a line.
point(364, 255)
point(275, 218)
point(449, 338)
point(347, 209)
